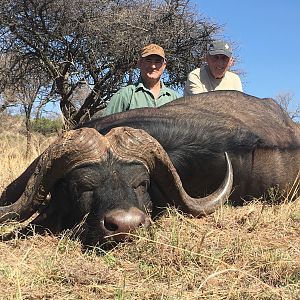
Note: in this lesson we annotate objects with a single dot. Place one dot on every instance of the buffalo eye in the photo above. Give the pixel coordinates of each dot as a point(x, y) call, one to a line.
point(142, 186)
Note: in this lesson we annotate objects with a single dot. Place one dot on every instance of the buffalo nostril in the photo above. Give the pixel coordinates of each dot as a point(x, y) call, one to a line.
point(109, 225)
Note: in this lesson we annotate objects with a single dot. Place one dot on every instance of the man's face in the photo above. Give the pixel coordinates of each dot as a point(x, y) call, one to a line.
point(151, 67)
point(218, 64)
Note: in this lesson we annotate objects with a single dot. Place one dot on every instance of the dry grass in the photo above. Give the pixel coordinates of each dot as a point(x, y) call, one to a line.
point(252, 252)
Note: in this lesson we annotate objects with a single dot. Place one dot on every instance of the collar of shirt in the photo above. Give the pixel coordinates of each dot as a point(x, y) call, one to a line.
point(163, 90)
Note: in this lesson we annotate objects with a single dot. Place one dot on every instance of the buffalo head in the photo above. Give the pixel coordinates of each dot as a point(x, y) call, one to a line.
point(112, 182)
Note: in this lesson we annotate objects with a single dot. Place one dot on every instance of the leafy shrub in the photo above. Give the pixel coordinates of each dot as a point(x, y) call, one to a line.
point(46, 126)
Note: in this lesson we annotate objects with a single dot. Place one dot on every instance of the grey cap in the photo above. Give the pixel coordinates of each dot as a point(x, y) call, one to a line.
point(219, 47)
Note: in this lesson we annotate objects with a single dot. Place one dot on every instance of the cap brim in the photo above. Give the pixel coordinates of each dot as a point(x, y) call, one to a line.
point(148, 54)
point(217, 52)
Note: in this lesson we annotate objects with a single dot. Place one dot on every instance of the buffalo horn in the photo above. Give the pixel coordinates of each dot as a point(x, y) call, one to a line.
point(70, 150)
point(135, 144)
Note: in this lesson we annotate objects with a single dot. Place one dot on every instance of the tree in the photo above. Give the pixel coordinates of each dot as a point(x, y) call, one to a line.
point(93, 45)
point(285, 100)
point(29, 90)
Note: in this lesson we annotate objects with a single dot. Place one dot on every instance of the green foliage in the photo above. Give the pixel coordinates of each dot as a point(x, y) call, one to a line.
point(46, 126)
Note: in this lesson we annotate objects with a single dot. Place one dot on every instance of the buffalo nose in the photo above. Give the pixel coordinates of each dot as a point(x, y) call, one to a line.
point(120, 222)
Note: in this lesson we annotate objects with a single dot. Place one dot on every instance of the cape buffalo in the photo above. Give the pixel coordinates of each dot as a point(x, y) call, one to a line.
point(139, 161)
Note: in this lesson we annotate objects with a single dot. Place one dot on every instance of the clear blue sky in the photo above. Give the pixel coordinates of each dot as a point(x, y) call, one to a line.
point(267, 34)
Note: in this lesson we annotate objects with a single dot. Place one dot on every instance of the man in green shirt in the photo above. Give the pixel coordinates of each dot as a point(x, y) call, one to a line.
point(150, 90)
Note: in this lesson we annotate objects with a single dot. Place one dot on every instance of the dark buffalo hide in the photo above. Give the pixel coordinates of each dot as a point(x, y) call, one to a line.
point(115, 180)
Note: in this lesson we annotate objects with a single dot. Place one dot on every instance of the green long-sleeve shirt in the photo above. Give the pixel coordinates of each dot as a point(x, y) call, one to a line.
point(137, 96)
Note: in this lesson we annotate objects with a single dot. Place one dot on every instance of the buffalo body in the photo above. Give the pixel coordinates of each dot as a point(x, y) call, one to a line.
point(148, 158)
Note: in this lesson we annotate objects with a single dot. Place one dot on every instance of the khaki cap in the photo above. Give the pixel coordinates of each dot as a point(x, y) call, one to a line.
point(153, 49)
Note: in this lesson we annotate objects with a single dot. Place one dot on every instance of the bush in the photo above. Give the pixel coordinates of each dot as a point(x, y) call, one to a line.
point(46, 126)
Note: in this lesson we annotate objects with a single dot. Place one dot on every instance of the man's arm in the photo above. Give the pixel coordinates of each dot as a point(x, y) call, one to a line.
point(239, 85)
point(193, 84)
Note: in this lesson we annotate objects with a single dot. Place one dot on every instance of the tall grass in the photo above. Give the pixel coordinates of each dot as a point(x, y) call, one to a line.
point(251, 252)
point(13, 154)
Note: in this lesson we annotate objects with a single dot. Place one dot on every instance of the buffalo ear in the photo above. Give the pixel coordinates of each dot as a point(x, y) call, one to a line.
point(52, 213)
point(158, 200)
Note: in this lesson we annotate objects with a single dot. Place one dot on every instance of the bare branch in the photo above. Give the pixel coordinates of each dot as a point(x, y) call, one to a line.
point(97, 42)
point(287, 102)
